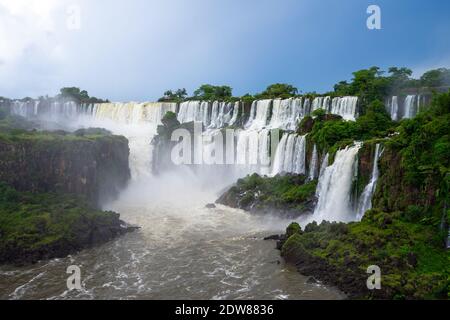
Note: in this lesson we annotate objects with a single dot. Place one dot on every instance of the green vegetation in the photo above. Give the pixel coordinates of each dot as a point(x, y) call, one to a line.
point(371, 84)
point(289, 194)
point(332, 132)
point(413, 263)
point(210, 92)
point(278, 90)
point(416, 164)
point(405, 233)
point(174, 96)
point(80, 96)
point(46, 225)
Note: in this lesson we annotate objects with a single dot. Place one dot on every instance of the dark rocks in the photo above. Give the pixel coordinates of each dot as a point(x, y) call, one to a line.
point(274, 237)
point(210, 206)
point(412, 259)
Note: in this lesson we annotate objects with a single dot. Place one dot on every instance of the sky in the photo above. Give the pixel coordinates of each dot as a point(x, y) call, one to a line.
point(135, 50)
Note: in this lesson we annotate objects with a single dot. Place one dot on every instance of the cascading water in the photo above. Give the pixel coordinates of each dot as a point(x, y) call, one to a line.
point(278, 163)
point(410, 107)
point(194, 111)
point(365, 201)
point(235, 113)
point(259, 114)
point(393, 108)
point(313, 164)
point(334, 187)
point(321, 103)
point(300, 155)
point(286, 113)
point(290, 155)
point(180, 243)
point(345, 107)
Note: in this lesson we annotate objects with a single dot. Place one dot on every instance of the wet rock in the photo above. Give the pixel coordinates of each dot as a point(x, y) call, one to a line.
point(274, 237)
point(210, 206)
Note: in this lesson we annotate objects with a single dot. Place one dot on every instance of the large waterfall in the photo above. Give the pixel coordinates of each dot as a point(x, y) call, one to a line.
point(254, 147)
point(365, 202)
point(334, 187)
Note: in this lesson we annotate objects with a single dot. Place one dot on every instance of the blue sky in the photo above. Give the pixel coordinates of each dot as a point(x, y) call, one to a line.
point(136, 49)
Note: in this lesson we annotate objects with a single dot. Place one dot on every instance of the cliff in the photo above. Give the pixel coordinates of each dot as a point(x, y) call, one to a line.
point(51, 185)
point(405, 232)
point(89, 163)
point(38, 226)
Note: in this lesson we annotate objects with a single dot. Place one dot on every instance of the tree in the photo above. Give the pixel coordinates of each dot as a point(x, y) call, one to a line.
point(400, 74)
point(375, 122)
point(211, 92)
point(436, 78)
point(278, 90)
point(177, 96)
point(342, 88)
point(80, 96)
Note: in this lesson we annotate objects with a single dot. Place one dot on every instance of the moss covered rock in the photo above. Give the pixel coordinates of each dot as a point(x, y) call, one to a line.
point(37, 226)
point(413, 261)
point(289, 196)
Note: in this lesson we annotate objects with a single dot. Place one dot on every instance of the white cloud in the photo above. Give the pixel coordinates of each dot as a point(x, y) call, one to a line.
point(29, 40)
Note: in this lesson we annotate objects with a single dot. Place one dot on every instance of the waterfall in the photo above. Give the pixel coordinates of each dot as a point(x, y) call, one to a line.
point(323, 167)
point(365, 202)
point(313, 165)
point(264, 150)
point(132, 113)
point(192, 111)
point(252, 148)
point(307, 106)
point(290, 155)
point(258, 114)
point(235, 113)
point(335, 185)
point(393, 108)
point(251, 115)
point(278, 162)
point(51, 111)
point(214, 115)
point(286, 113)
point(317, 104)
point(300, 155)
point(280, 113)
point(410, 110)
point(345, 107)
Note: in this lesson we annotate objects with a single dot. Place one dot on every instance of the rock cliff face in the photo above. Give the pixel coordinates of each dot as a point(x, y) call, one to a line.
point(95, 166)
point(163, 145)
point(38, 226)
